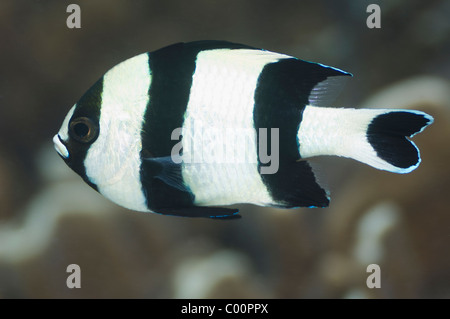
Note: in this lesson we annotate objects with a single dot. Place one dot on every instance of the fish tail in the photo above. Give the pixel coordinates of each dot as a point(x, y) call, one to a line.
point(376, 137)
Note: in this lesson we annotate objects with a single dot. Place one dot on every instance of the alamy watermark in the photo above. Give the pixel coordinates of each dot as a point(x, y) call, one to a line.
point(207, 145)
point(374, 19)
point(74, 279)
point(74, 19)
point(374, 279)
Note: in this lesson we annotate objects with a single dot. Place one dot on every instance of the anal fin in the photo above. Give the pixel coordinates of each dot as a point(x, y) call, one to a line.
point(201, 211)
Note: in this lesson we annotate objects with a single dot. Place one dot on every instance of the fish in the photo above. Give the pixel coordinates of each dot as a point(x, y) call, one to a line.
point(187, 129)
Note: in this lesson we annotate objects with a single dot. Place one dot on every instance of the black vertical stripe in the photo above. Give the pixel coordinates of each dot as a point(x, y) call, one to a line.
point(171, 69)
point(280, 98)
point(88, 106)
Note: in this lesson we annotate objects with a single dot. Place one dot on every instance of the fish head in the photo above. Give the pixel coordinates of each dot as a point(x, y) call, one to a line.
point(79, 131)
point(100, 137)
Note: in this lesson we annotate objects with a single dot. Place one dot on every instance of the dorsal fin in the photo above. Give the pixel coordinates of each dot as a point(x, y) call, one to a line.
point(326, 91)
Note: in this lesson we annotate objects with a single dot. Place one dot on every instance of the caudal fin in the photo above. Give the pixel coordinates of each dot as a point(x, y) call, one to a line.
point(389, 134)
point(376, 137)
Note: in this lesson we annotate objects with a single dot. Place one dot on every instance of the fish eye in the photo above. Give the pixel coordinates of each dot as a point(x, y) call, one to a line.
point(83, 130)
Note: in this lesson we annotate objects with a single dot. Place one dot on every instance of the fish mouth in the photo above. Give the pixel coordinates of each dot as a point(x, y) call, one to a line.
point(60, 147)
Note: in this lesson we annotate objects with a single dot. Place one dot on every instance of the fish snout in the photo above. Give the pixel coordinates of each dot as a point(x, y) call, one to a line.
point(60, 147)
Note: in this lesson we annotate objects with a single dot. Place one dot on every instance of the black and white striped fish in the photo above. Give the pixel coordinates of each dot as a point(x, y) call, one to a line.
point(121, 136)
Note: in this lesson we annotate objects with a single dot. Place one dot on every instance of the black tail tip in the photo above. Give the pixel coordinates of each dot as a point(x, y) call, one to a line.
point(388, 134)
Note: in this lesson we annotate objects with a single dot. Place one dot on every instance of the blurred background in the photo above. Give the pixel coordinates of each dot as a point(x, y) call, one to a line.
point(49, 218)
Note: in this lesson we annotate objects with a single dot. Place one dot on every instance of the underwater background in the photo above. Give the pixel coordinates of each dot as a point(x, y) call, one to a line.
point(49, 218)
